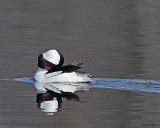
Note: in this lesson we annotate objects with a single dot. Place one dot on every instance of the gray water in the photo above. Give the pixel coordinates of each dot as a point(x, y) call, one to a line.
point(117, 40)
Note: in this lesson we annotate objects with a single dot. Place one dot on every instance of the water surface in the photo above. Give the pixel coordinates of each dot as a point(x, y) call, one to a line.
point(117, 40)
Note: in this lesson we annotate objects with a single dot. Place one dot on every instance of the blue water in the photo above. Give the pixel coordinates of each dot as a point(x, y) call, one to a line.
point(119, 84)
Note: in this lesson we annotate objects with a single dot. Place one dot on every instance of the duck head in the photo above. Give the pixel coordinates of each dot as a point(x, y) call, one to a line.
point(50, 59)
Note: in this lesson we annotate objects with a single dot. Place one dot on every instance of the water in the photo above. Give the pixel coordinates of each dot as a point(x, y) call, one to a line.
point(120, 84)
point(117, 40)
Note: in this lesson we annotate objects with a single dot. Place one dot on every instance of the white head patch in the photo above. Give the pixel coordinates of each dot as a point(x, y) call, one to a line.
point(52, 56)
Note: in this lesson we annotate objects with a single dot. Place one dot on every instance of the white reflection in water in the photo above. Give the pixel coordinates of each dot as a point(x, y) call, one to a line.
point(49, 95)
point(49, 107)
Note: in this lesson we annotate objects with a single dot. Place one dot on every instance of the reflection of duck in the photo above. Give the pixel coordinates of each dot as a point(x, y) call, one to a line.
point(47, 103)
point(51, 69)
point(49, 95)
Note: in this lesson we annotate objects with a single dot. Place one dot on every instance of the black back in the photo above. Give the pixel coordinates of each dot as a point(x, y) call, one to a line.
point(67, 68)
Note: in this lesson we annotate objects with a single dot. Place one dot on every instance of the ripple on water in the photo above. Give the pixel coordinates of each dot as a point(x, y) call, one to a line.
point(127, 84)
point(120, 84)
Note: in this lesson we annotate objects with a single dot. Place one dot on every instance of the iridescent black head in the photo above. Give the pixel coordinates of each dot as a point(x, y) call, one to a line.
point(50, 59)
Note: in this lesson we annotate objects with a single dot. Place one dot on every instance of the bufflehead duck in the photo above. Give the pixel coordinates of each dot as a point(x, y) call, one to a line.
point(51, 69)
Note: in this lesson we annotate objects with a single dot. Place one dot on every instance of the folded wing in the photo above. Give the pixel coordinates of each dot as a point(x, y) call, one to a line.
point(67, 68)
